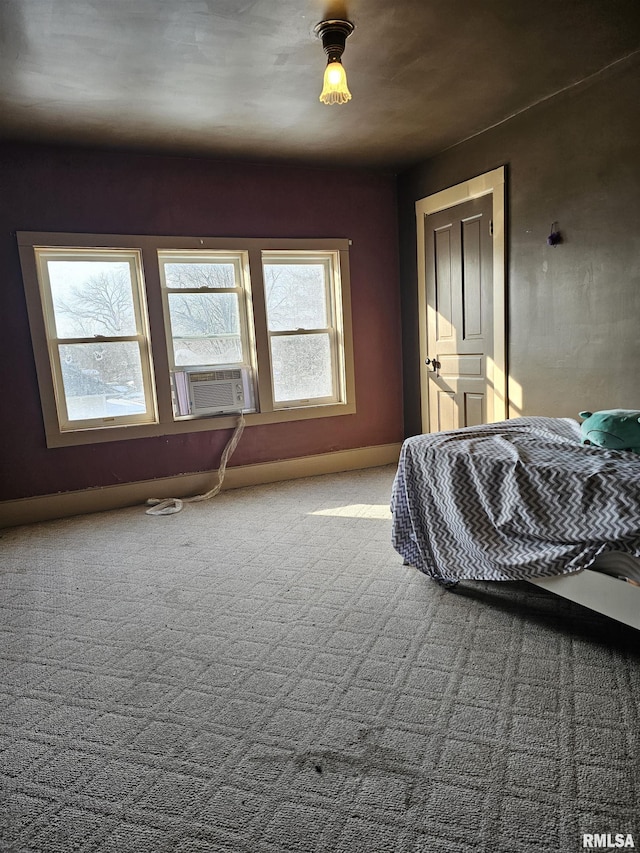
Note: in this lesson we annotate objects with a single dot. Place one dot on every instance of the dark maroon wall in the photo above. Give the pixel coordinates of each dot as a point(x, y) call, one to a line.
point(55, 189)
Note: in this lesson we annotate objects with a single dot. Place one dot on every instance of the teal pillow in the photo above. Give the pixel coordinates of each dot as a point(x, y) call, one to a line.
point(615, 429)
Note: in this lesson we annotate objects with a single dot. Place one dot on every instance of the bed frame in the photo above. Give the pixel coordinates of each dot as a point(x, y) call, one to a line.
point(597, 591)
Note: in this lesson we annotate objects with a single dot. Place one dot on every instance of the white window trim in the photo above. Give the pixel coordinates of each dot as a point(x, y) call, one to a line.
point(242, 290)
point(141, 337)
point(334, 330)
point(149, 247)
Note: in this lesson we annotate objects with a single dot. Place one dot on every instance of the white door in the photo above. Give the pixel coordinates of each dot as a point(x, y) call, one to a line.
point(459, 281)
point(461, 301)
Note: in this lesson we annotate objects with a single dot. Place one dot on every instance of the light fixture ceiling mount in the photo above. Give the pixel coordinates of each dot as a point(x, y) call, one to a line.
point(334, 34)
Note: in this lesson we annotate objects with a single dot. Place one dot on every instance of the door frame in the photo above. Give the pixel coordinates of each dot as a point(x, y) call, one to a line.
point(497, 379)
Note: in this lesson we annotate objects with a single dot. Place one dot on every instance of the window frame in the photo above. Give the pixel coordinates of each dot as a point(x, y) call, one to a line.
point(133, 260)
point(242, 289)
point(333, 329)
point(159, 342)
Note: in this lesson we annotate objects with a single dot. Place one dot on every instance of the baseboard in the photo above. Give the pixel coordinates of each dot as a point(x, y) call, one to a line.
point(64, 504)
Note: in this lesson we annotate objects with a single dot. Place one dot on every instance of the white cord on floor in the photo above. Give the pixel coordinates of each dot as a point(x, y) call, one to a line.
point(168, 506)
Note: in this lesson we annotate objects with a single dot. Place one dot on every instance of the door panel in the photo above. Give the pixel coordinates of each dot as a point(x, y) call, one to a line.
point(475, 408)
point(459, 289)
point(472, 279)
point(461, 365)
point(445, 415)
point(443, 285)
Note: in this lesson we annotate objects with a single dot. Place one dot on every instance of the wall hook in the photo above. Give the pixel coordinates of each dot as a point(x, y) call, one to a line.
point(555, 237)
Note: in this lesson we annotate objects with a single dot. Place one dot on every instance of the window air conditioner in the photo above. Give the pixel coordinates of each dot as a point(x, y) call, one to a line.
point(214, 392)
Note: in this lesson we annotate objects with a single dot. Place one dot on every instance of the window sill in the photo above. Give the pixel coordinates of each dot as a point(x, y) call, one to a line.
point(190, 425)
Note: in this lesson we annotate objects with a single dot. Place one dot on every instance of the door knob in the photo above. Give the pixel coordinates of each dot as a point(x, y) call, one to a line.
point(435, 364)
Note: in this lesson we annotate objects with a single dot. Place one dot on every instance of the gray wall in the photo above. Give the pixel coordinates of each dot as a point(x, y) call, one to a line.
point(573, 310)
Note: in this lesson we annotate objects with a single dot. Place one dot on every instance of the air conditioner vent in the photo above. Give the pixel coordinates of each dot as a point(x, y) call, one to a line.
point(216, 375)
point(214, 392)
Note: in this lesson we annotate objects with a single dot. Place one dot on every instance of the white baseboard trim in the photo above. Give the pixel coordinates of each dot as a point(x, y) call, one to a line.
point(64, 504)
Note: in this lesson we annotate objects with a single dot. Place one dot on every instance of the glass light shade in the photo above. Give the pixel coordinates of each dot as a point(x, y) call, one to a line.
point(335, 89)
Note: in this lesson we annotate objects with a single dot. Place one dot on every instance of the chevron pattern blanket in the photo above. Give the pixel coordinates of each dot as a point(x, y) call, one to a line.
point(513, 500)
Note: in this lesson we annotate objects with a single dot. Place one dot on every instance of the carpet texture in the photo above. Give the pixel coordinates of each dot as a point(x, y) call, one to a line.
point(260, 673)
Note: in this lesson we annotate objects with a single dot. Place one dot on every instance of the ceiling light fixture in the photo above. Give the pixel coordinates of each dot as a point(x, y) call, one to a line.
point(334, 34)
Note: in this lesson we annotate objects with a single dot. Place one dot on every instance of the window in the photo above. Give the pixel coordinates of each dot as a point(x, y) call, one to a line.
point(301, 323)
point(123, 326)
point(205, 298)
point(97, 337)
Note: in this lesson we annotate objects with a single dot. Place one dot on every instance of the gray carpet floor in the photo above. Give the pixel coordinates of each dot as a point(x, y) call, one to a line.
point(260, 673)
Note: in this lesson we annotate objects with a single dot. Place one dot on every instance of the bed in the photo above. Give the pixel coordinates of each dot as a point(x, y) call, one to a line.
point(523, 499)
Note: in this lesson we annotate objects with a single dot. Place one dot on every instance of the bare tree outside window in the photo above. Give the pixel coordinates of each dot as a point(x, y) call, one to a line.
point(194, 275)
point(104, 377)
point(296, 296)
point(205, 326)
point(101, 305)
